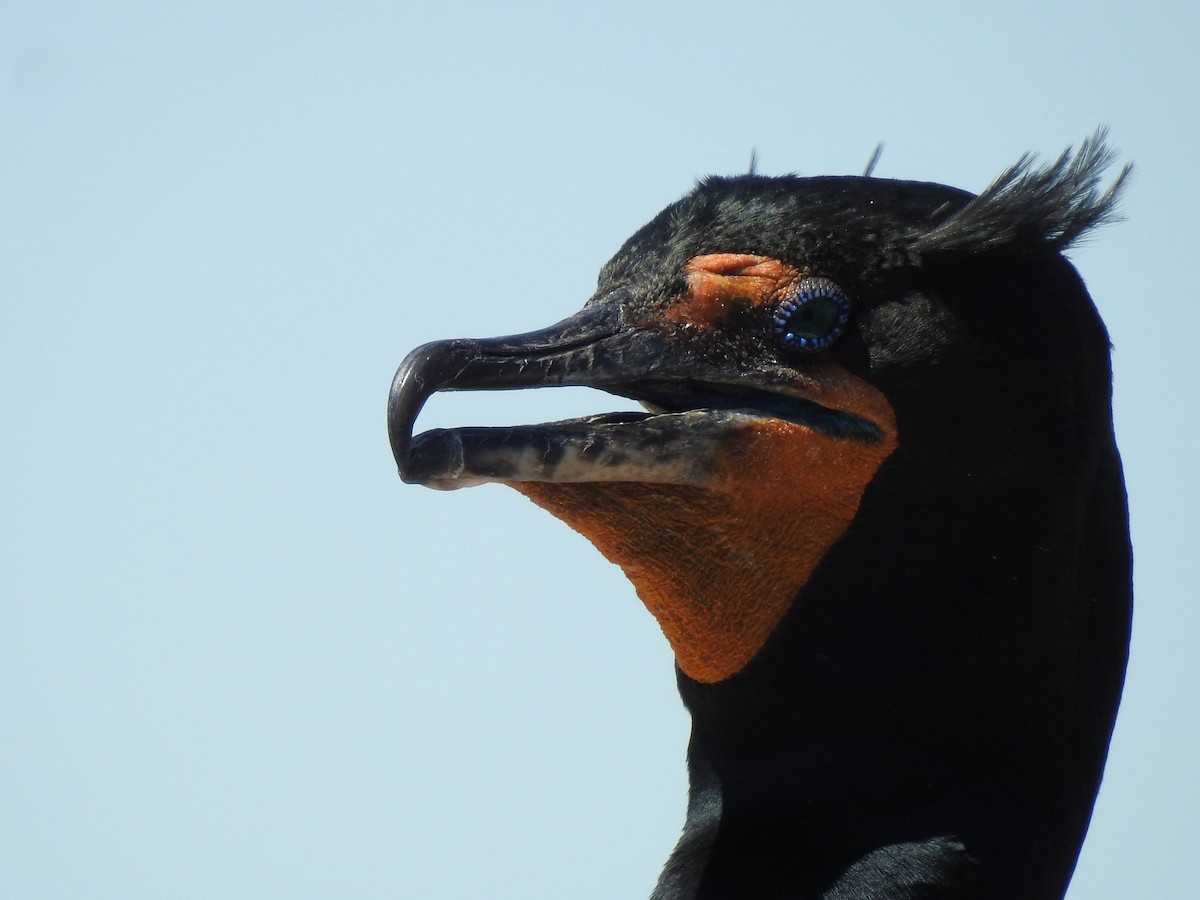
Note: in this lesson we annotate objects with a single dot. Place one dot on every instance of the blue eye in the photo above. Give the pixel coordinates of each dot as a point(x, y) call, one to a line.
point(812, 318)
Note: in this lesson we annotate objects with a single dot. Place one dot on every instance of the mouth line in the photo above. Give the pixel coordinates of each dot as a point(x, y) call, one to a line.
point(750, 401)
point(704, 400)
point(673, 397)
point(672, 442)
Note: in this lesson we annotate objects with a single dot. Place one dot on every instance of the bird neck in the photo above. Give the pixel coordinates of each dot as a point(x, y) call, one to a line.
point(839, 818)
point(904, 736)
point(931, 717)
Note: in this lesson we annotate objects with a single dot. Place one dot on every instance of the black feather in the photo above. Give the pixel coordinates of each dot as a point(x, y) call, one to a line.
point(1031, 210)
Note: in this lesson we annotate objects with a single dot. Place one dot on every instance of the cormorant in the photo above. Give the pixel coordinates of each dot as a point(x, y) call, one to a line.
point(875, 504)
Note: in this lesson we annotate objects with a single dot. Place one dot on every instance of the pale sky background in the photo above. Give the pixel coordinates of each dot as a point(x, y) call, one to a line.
point(238, 658)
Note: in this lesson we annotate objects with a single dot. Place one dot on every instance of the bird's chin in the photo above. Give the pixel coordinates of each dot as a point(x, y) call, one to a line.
point(766, 462)
point(680, 448)
point(655, 493)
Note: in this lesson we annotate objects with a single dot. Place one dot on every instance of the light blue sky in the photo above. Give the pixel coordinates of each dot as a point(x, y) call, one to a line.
point(237, 657)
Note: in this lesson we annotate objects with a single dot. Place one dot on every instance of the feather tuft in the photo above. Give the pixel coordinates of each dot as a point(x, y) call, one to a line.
point(1032, 209)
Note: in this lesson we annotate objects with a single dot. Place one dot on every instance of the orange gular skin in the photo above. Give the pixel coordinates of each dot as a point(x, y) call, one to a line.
point(719, 563)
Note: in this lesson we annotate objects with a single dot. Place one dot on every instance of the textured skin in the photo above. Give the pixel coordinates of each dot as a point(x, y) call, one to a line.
point(719, 566)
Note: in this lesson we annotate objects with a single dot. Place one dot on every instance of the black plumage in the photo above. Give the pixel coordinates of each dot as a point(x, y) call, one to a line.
point(904, 648)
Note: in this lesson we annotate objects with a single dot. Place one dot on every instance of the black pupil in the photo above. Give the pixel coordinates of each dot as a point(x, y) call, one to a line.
point(816, 319)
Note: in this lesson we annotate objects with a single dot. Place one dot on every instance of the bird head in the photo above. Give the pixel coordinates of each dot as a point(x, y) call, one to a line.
point(797, 344)
point(874, 502)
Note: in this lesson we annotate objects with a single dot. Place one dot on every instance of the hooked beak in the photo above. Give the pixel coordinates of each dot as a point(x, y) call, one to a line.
point(695, 407)
point(539, 358)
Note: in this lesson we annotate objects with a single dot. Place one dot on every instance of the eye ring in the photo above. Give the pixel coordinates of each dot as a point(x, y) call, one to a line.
point(812, 317)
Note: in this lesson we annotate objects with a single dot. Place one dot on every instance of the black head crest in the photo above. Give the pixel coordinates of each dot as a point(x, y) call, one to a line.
point(1032, 211)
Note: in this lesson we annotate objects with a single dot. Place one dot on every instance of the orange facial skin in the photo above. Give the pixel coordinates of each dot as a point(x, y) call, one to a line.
point(718, 283)
point(719, 564)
